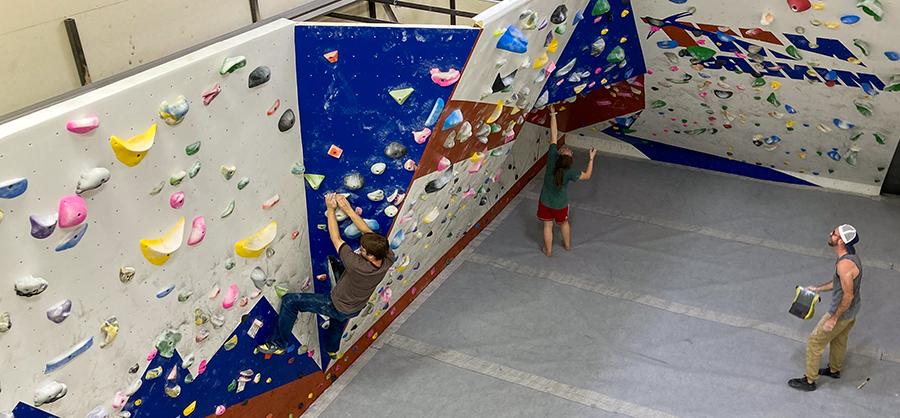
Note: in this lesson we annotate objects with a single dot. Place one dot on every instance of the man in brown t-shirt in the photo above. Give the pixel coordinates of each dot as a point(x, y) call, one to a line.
point(355, 278)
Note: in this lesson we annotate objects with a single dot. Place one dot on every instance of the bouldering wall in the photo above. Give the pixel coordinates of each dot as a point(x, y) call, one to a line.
point(146, 230)
point(761, 90)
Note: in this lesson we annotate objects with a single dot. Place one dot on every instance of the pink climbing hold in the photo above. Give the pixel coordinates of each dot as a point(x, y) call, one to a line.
point(152, 355)
point(119, 400)
point(421, 136)
point(201, 368)
point(386, 295)
point(230, 297)
point(83, 125)
point(72, 211)
point(176, 201)
point(444, 78)
point(198, 231)
point(443, 164)
point(220, 410)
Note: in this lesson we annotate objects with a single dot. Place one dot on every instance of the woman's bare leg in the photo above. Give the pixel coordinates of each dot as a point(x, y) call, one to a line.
point(548, 238)
point(567, 235)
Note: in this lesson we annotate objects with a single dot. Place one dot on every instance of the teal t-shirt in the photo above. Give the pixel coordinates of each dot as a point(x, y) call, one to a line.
point(551, 196)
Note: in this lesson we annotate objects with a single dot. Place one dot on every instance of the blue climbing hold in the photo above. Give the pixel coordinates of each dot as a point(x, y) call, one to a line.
point(790, 109)
point(435, 113)
point(578, 18)
point(850, 19)
point(831, 76)
point(834, 154)
point(842, 124)
point(869, 89)
point(892, 55)
point(670, 44)
point(724, 37)
point(14, 188)
point(513, 40)
point(453, 119)
point(772, 140)
point(397, 239)
point(73, 239)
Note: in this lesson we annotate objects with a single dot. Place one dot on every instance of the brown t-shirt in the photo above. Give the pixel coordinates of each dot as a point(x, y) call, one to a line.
point(359, 280)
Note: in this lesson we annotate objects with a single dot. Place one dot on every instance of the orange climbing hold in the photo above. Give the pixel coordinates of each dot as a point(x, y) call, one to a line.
point(332, 56)
point(335, 151)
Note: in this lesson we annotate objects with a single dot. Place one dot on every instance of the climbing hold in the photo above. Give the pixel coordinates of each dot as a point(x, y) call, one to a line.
point(353, 181)
point(879, 138)
point(767, 18)
point(450, 141)
point(421, 136)
point(376, 196)
point(83, 125)
point(872, 8)
point(864, 108)
point(158, 188)
point(773, 100)
point(229, 299)
point(335, 151)
point(401, 95)
point(158, 250)
point(498, 110)
point(29, 286)
point(559, 14)
point(131, 151)
point(314, 180)
point(5, 322)
point(894, 83)
point(194, 169)
point(601, 7)
point(243, 182)
point(177, 178)
point(378, 168)
point(271, 202)
point(444, 78)
point(152, 374)
point(211, 94)
point(440, 182)
point(454, 118)
point(331, 56)
point(42, 226)
point(166, 342)
point(192, 149)
point(286, 122)
point(260, 279)
point(409, 165)
point(49, 392)
point(73, 239)
point(443, 164)
point(176, 200)
point(566, 68)
point(391, 211)
point(11, 189)
point(255, 244)
point(166, 291)
point(92, 179)
point(513, 40)
point(227, 171)
point(528, 19)
point(799, 5)
point(395, 150)
point(173, 113)
point(126, 274)
point(841, 124)
point(863, 46)
point(232, 64)
point(60, 311)
point(435, 113)
point(198, 231)
point(259, 76)
point(272, 109)
point(69, 355)
point(431, 216)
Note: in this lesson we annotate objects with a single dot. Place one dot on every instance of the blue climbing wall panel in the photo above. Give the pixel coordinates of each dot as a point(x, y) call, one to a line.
point(616, 32)
point(347, 103)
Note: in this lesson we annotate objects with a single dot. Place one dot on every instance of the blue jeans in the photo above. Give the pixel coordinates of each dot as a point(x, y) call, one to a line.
point(294, 303)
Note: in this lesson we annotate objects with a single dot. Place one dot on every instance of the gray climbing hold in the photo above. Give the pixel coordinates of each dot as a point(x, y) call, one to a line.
point(49, 392)
point(158, 188)
point(59, 312)
point(228, 210)
point(166, 341)
point(260, 279)
point(259, 76)
point(5, 322)
point(29, 286)
point(395, 150)
point(98, 412)
point(126, 274)
point(92, 179)
point(194, 170)
point(286, 122)
point(229, 264)
point(354, 181)
point(243, 182)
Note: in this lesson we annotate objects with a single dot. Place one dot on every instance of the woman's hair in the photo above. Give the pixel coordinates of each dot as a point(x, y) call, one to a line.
point(563, 163)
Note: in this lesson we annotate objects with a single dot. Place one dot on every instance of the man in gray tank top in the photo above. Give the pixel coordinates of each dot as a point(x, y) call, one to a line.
point(834, 327)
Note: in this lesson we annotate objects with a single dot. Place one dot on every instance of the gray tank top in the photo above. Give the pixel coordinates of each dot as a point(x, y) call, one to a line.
point(838, 291)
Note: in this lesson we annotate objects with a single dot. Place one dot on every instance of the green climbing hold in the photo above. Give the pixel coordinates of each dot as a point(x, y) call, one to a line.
point(658, 104)
point(864, 108)
point(314, 180)
point(600, 7)
point(701, 53)
point(616, 55)
point(561, 29)
point(495, 127)
point(232, 386)
point(400, 95)
point(232, 64)
point(872, 8)
point(894, 84)
point(192, 148)
point(793, 52)
point(243, 183)
point(195, 168)
point(856, 136)
point(695, 132)
point(863, 46)
point(280, 291)
point(773, 100)
point(879, 138)
point(759, 82)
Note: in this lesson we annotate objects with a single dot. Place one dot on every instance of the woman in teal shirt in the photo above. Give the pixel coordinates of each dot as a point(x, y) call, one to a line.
point(554, 203)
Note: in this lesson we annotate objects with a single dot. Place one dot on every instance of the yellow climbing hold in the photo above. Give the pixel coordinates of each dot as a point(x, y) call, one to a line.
point(604, 31)
point(790, 124)
point(231, 343)
point(554, 45)
point(138, 402)
point(541, 61)
point(776, 85)
point(625, 12)
point(132, 150)
point(310, 396)
point(256, 244)
point(496, 114)
point(579, 88)
point(623, 39)
point(189, 409)
point(158, 250)
point(400, 95)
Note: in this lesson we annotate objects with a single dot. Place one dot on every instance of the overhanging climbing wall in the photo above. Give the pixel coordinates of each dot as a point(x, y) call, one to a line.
point(801, 97)
point(130, 300)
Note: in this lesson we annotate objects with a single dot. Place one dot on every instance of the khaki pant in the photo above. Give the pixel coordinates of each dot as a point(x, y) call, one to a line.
point(817, 341)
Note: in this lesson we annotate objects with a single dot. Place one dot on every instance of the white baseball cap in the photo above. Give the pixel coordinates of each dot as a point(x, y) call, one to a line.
point(848, 234)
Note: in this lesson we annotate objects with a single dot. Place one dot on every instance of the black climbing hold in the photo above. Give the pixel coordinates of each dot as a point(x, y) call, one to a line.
point(259, 76)
point(286, 122)
point(559, 15)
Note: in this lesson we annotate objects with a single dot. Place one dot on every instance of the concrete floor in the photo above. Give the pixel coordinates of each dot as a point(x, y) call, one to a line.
point(673, 303)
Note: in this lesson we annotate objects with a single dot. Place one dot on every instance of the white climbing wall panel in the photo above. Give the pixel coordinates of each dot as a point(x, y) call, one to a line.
point(233, 129)
point(488, 61)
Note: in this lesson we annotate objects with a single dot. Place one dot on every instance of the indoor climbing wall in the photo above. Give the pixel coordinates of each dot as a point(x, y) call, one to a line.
point(793, 91)
point(146, 230)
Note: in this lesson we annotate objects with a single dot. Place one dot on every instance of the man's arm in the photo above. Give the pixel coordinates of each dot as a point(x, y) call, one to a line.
point(357, 220)
point(847, 271)
point(586, 174)
point(824, 287)
point(333, 230)
point(554, 131)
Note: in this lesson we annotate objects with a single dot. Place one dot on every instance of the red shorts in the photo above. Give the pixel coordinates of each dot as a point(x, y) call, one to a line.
point(546, 214)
